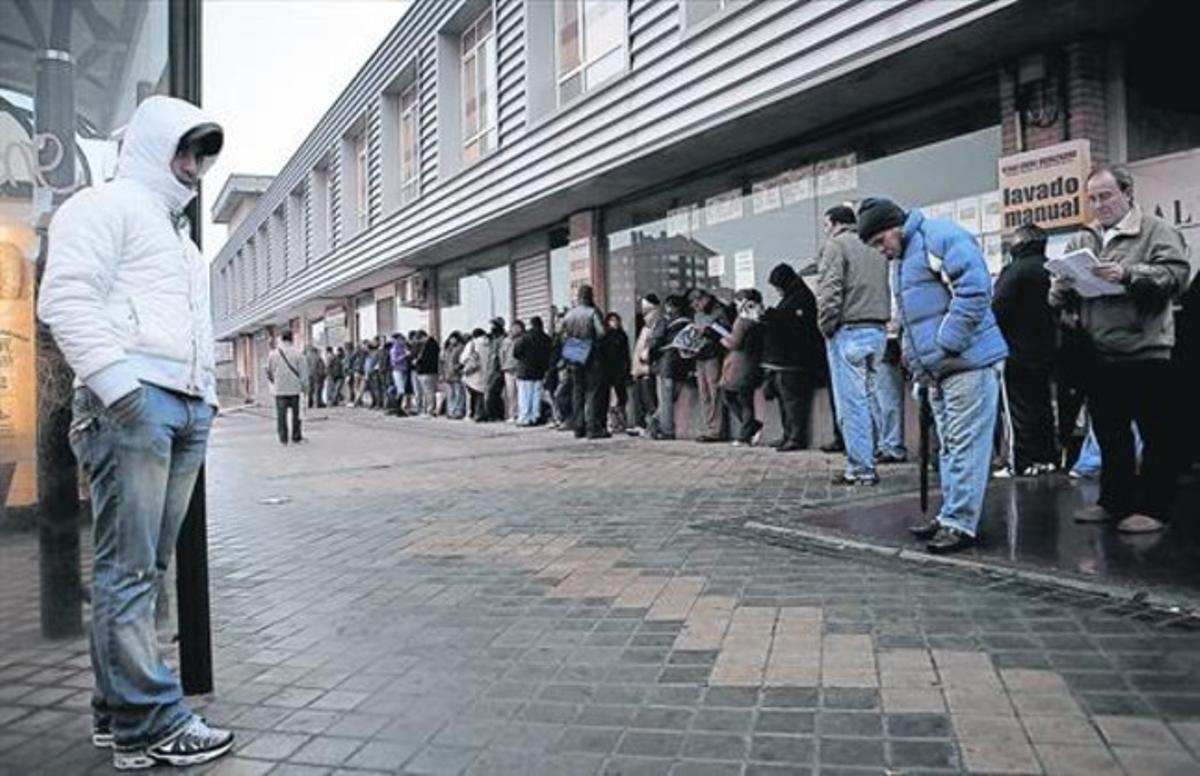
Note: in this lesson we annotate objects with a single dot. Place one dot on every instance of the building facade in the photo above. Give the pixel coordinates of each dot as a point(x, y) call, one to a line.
point(493, 154)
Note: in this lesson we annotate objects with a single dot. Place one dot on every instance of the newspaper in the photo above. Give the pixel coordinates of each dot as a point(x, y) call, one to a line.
point(1077, 266)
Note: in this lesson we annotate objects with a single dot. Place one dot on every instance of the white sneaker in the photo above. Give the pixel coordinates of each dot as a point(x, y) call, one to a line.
point(194, 744)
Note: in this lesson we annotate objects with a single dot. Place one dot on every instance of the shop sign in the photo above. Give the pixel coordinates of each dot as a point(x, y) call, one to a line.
point(767, 195)
point(716, 266)
point(1046, 186)
point(797, 185)
point(1169, 187)
point(18, 381)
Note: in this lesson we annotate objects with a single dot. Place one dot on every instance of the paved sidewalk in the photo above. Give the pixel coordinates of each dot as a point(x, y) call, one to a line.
point(417, 596)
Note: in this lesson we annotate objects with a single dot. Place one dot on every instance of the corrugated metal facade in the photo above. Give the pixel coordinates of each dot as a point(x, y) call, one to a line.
point(679, 84)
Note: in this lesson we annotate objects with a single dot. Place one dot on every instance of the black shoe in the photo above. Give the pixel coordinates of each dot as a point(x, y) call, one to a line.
point(833, 447)
point(948, 540)
point(601, 435)
point(788, 447)
point(926, 530)
point(855, 479)
point(706, 439)
point(885, 459)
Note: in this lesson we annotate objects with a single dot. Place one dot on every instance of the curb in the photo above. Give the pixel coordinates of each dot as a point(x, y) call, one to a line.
point(1178, 606)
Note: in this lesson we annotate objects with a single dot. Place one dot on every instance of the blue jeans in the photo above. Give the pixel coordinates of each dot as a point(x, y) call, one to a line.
point(141, 471)
point(1088, 463)
point(456, 400)
point(889, 395)
point(529, 401)
point(664, 419)
point(855, 354)
point(964, 408)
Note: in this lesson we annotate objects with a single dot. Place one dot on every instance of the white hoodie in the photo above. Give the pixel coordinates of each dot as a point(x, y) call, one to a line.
point(125, 291)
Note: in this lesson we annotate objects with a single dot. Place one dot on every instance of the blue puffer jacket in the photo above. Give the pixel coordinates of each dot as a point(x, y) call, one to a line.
point(946, 332)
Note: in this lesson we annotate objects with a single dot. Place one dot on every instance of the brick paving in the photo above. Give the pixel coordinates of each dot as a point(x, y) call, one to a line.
point(415, 596)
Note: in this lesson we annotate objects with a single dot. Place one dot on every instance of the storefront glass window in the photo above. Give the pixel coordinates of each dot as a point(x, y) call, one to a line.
point(472, 292)
point(726, 231)
point(58, 133)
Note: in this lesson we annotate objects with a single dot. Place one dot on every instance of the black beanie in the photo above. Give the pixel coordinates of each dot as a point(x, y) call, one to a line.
point(877, 214)
point(782, 275)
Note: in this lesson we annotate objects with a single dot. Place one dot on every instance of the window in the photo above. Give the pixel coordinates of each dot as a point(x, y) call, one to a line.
point(361, 210)
point(590, 44)
point(699, 10)
point(409, 153)
point(319, 207)
point(478, 57)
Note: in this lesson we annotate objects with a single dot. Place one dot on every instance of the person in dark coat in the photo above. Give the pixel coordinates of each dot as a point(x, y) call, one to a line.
point(532, 353)
point(494, 393)
point(793, 355)
point(669, 367)
point(616, 365)
point(1028, 324)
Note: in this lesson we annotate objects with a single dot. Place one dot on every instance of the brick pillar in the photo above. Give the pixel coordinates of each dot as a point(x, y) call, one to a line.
point(585, 251)
point(1075, 75)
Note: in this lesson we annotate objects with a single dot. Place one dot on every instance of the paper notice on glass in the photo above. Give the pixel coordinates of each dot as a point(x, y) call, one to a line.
point(836, 175)
point(1078, 266)
point(798, 185)
point(679, 220)
point(993, 252)
point(993, 212)
point(966, 212)
point(726, 206)
point(716, 266)
point(766, 195)
point(940, 210)
point(743, 269)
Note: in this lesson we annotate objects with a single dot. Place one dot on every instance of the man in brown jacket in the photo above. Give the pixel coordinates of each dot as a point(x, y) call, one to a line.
point(853, 309)
point(1133, 335)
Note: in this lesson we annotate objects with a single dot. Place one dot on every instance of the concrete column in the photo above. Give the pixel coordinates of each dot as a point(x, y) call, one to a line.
point(587, 263)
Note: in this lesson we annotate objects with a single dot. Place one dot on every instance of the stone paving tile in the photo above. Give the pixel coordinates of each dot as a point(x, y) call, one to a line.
point(510, 611)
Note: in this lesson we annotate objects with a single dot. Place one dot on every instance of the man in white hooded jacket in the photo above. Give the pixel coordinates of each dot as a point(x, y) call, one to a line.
point(125, 294)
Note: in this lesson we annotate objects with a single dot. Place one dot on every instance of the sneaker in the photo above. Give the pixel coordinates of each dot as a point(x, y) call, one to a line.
point(856, 479)
point(948, 540)
point(1003, 473)
point(890, 458)
point(833, 447)
point(1139, 524)
point(196, 743)
point(756, 437)
point(102, 735)
point(1093, 514)
point(1080, 474)
point(737, 443)
point(925, 530)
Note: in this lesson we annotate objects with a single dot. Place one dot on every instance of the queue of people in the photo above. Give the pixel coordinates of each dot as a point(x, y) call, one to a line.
point(899, 299)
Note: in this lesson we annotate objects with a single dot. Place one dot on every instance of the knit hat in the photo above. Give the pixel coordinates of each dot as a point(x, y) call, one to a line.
point(782, 275)
point(878, 214)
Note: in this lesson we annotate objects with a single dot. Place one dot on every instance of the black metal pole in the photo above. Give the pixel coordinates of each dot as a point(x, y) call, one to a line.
point(58, 483)
point(191, 551)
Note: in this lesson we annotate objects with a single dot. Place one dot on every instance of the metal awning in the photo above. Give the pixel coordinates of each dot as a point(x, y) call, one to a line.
point(99, 35)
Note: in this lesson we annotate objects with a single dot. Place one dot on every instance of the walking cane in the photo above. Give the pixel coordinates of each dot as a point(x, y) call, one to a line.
point(926, 420)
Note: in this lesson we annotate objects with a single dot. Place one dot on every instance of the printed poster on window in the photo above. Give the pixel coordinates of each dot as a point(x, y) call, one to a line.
point(716, 266)
point(797, 185)
point(683, 220)
point(767, 195)
point(18, 371)
point(993, 252)
point(726, 206)
point(944, 210)
point(837, 175)
point(993, 212)
point(579, 264)
point(966, 212)
point(743, 269)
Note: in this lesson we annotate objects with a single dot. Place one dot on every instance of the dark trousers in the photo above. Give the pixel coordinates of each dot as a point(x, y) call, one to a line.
point(794, 389)
point(645, 401)
point(1031, 412)
point(837, 427)
point(1119, 395)
point(741, 410)
point(588, 399)
point(478, 409)
point(284, 404)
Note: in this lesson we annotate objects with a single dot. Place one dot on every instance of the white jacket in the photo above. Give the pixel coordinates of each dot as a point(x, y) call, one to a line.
point(125, 292)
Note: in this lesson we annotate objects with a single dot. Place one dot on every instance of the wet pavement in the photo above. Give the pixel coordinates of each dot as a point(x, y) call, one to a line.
point(1028, 524)
point(414, 596)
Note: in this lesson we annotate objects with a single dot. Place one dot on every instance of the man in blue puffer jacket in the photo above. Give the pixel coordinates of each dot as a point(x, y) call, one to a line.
point(952, 344)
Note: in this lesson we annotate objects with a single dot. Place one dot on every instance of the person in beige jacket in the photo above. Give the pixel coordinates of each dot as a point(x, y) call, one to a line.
point(287, 372)
point(645, 402)
point(1133, 336)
